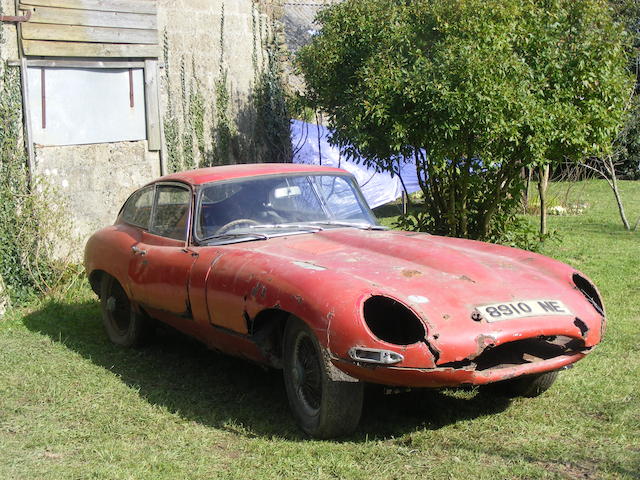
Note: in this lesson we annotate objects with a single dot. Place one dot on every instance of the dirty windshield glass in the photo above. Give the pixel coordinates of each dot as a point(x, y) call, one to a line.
point(270, 205)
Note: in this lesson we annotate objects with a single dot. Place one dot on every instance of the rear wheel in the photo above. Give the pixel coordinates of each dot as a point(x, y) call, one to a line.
point(525, 386)
point(323, 407)
point(124, 326)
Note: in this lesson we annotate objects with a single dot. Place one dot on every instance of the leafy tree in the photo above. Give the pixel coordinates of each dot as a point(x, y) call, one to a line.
point(628, 13)
point(474, 90)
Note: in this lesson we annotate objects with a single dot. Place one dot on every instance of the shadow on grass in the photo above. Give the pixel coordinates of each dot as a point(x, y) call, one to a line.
point(180, 374)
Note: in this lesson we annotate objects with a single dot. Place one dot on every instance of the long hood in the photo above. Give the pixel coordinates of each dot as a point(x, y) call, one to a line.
point(431, 269)
point(442, 280)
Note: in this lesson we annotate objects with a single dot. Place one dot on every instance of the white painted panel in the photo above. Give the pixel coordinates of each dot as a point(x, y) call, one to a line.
point(86, 106)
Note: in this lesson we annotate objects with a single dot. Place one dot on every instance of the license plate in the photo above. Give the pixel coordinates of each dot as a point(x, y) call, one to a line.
point(527, 308)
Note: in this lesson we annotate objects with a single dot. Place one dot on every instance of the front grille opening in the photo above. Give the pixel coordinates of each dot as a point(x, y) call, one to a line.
point(530, 350)
point(392, 322)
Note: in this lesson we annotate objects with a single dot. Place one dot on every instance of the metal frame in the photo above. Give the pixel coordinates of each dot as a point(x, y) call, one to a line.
point(153, 118)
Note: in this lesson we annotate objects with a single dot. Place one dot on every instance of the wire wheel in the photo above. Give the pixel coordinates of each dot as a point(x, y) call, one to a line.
point(307, 374)
point(323, 407)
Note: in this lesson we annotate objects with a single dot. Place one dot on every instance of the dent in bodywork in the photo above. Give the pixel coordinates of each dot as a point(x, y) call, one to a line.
point(493, 356)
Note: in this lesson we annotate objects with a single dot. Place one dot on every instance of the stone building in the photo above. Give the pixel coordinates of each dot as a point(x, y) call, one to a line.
point(117, 92)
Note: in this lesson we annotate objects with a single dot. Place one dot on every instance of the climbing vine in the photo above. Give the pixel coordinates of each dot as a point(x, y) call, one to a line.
point(31, 215)
point(271, 136)
point(272, 126)
point(202, 133)
point(171, 122)
point(224, 130)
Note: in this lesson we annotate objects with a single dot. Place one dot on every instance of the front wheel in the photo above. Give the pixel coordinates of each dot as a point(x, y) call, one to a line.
point(124, 326)
point(323, 407)
point(525, 386)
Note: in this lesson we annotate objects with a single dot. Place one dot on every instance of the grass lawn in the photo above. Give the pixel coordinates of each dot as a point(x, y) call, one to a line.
point(74, 406)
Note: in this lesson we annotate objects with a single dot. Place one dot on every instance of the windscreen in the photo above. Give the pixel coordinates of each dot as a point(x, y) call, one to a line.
point(271, 203)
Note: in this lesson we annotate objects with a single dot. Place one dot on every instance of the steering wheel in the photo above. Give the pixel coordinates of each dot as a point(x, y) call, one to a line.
point(228, 226)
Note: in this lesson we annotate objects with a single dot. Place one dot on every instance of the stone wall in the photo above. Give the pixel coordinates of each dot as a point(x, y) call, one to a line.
point(95, 180)
point(214, 49)
point(8, 34)
point(202, 40)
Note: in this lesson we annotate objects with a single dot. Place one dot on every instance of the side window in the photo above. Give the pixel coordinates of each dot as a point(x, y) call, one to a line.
point(172, 212)
point(137, 210)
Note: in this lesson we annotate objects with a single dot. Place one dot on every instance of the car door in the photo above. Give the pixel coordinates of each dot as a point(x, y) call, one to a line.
point(161, 262)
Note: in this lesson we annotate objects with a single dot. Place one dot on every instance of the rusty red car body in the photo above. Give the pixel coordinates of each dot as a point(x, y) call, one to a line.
point(387, 307)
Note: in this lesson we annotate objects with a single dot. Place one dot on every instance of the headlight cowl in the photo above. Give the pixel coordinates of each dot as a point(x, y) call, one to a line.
point(392, 322)
point(589, 291)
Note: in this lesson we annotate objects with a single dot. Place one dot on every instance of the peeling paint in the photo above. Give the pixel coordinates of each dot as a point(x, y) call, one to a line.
point(309, 266)
point(418, 299)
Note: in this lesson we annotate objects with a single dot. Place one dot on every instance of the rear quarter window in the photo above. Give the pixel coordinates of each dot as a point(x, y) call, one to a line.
point(171, 214)
point(137, 210)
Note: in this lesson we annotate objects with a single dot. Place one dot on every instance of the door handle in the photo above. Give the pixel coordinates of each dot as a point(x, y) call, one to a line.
point(137, 250)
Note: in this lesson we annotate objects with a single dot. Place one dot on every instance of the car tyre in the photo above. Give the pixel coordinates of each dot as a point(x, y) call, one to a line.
point(123, 324)
point(525, 386)
point(323, 407)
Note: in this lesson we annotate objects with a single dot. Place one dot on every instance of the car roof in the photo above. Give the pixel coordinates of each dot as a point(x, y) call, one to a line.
point(228, 172)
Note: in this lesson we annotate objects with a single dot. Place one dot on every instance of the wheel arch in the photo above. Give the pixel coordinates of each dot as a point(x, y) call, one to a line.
point(95, 279)
point(267, 330)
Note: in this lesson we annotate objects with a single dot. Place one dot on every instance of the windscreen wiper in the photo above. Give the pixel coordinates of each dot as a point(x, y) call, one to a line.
point(362, 226)
point(301, 226)
point(245, 237)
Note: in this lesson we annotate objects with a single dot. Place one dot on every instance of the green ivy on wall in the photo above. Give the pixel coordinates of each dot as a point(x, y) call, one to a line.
point(31, 219)
point(264, 135)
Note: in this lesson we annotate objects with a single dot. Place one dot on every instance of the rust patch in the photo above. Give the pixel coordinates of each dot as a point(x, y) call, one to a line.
point(411, 273)
point(484, 341)
point(467, 279)
point(446, 316)
point(259, 289)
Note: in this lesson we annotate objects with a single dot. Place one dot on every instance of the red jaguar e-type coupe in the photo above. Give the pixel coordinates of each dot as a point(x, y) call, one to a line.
point(286, 265)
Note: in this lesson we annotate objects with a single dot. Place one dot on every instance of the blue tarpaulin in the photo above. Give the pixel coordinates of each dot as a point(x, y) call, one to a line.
point(378, 188)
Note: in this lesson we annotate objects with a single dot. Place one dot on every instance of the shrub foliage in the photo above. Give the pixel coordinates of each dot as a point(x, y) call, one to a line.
point(31, 216)
point(473, 90)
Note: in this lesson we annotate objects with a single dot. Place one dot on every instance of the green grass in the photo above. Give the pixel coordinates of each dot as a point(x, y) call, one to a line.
point(74, 406)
